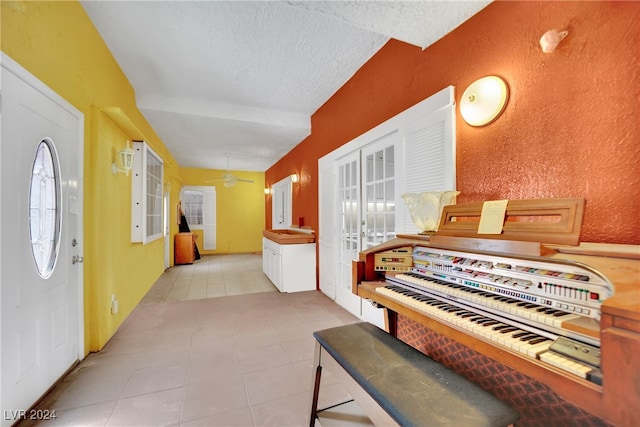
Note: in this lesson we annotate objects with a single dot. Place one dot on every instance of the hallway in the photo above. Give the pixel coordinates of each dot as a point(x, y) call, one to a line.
point(211, 344)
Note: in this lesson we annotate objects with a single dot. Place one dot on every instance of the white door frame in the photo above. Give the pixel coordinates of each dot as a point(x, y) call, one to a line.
point(327, 232)
point(166, 229)
point(71, 204)
point(329, 265)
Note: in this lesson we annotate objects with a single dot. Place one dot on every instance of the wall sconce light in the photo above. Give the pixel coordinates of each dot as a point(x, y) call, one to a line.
point(550, 40)
point(295, 178)
point(267, 191)
point(484, 100)
point(126, 156)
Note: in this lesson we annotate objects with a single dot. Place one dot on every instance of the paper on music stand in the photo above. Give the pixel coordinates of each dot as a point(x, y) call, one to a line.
point(492, 217)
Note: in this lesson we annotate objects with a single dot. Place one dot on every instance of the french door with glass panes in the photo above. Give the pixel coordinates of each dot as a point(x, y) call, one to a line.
point(362, 182)
point(348, 221)
point(378, 209)
point(379, 192)
point(366, 209)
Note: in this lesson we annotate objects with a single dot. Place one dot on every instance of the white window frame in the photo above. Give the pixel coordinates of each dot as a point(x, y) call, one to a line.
point(208, 225)
point(146, 205)
point(44, 196)
point(193, 225)
point(281, 206)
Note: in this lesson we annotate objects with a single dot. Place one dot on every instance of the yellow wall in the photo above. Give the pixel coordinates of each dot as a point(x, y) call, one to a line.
point(240, 210)
point(57, 43)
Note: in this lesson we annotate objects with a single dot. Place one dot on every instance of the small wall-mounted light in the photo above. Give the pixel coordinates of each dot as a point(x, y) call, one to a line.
point(484, 100)
point(126, 156)
point(267, 191)
point(295, 178)
point(550, 40)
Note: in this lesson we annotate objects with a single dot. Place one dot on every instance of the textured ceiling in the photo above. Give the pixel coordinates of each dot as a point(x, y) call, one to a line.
point(233, 84)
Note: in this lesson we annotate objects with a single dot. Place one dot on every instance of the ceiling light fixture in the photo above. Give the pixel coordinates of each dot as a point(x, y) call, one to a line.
point(484, 100)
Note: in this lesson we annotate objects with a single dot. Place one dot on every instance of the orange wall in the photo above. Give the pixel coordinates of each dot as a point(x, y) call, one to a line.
point(570, 129)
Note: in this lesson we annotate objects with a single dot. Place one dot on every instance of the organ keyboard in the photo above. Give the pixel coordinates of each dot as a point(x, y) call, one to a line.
point(568, 320)
point(523, 304)
point(531, 342)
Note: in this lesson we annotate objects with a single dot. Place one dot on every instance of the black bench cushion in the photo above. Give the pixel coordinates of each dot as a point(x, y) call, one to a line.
point(411, 387)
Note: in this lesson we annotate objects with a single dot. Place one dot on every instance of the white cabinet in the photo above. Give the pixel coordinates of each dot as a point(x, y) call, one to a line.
point(291, 267)
point(271, 261)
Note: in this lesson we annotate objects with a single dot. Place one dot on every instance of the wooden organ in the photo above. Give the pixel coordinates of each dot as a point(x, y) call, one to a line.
point(562, 313)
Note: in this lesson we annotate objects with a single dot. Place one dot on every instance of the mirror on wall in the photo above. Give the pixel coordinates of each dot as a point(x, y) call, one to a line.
point(282, 204)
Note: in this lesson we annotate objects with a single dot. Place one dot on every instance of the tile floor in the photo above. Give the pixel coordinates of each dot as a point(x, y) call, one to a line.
point(211, 344)
point(212, 276)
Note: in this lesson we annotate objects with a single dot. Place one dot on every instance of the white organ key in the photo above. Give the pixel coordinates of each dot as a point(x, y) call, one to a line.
point(521, 341)
point(535, 312)
point(566, 364)
point(507, 335)
point(535, 350)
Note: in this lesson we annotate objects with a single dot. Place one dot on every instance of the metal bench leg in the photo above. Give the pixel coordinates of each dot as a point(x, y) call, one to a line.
point(317, 374)
point(372, 410)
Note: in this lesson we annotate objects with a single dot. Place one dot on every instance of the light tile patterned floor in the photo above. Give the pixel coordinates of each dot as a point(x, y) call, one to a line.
point(212, 276)
point(212, 344)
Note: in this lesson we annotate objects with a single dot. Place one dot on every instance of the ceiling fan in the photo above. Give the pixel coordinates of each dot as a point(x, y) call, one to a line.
point(229, 179)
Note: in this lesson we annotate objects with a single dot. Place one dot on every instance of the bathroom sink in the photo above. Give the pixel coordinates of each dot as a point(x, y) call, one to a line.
point(287, 236)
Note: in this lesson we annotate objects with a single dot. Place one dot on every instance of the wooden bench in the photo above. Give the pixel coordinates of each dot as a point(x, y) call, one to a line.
point(395, 384)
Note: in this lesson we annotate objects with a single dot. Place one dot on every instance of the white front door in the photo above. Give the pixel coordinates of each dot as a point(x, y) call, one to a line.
point(41, 249)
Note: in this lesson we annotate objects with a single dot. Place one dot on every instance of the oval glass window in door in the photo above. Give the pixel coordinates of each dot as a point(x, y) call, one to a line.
point(44, 208)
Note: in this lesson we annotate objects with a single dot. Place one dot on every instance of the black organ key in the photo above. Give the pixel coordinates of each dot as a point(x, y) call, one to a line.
point(560, 314)
point(520, 334)
point(467, 314)
point(491, 323)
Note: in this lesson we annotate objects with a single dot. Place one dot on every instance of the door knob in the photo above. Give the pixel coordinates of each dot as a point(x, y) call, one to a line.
point(76, 259)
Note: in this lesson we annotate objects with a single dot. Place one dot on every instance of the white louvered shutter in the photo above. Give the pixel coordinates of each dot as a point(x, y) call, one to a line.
point(429, 157)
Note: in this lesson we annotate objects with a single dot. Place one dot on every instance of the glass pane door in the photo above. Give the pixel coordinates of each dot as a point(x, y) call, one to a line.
point(379, 204)
point(349, 223)
point(365, 214)
point(379, 183)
